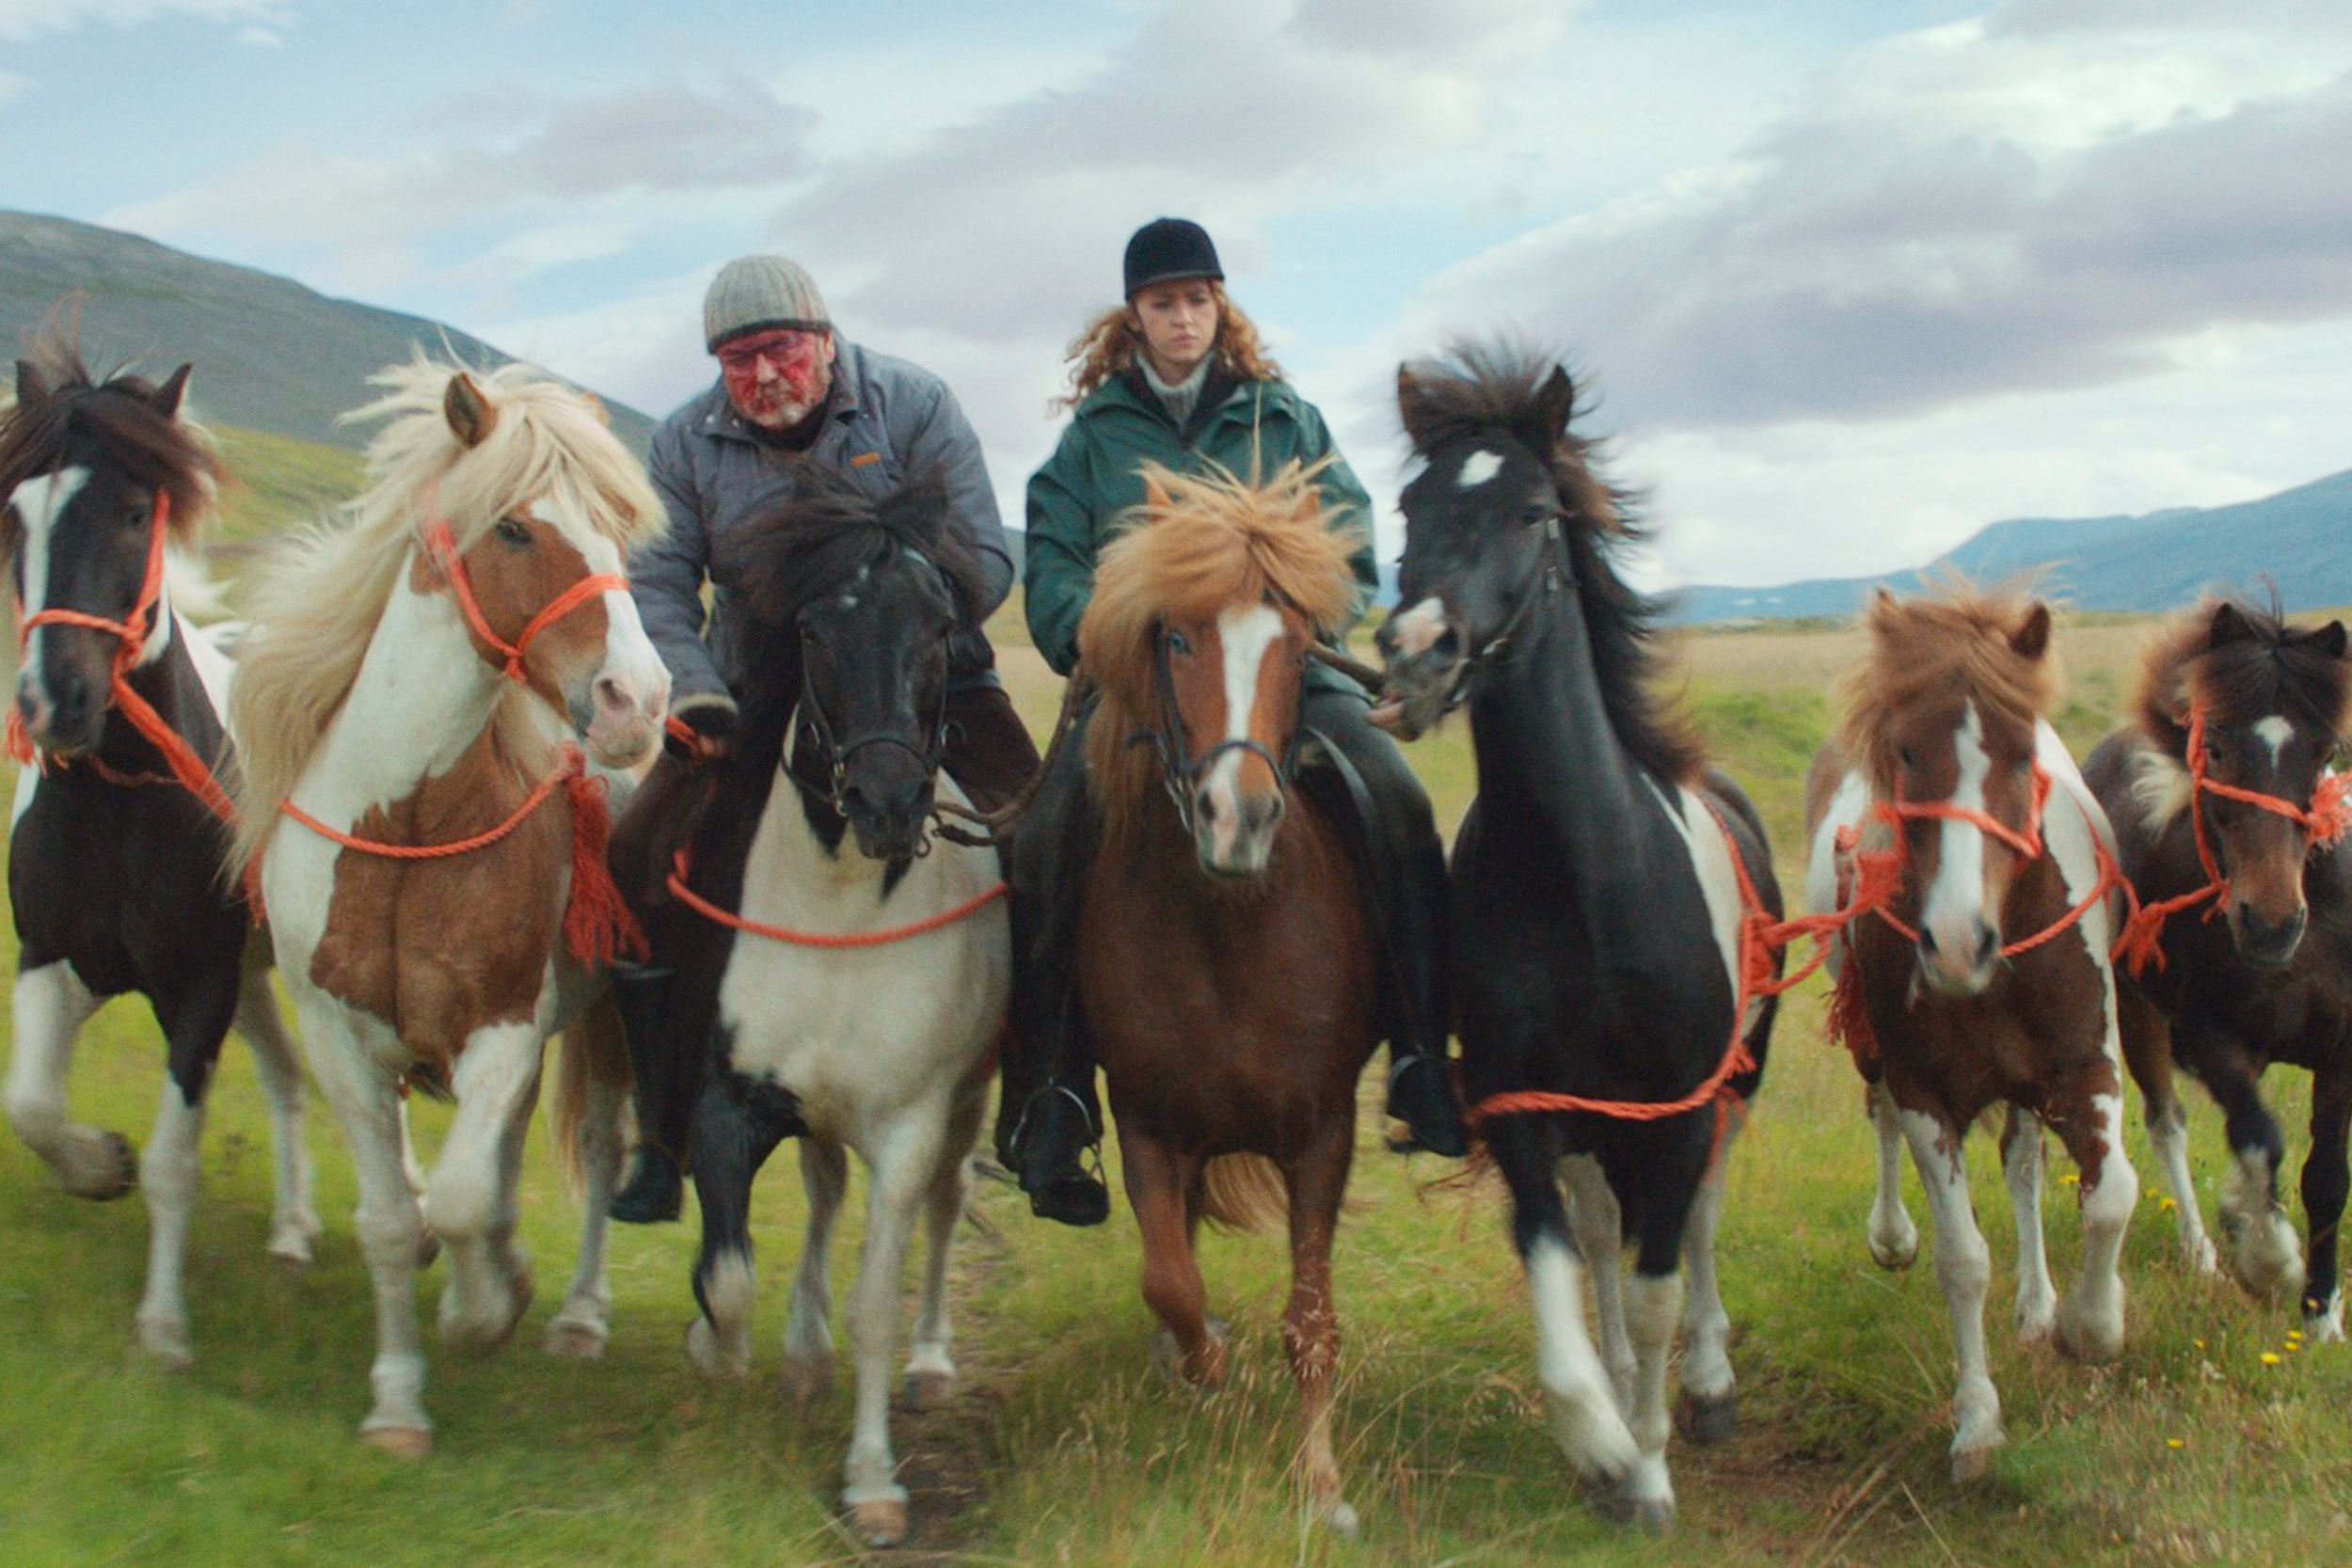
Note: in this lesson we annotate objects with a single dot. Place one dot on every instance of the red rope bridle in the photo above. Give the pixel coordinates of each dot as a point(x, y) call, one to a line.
point(130, 634)
point(682, 865)
point(2324, 822)
point(597, 925)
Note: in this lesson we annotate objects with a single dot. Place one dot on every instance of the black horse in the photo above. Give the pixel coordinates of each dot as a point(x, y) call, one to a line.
point(115, 863)
point(844, 974)
point(2234, 702)
point(1597, 905)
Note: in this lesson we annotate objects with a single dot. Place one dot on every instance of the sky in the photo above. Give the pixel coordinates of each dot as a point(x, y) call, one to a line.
point(1846, 279)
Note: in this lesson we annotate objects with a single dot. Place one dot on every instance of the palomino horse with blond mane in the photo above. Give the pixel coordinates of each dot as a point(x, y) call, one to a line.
point(416, 818)
point(1975, 971)
point(1224, 967)
point(2229, 814)
point(114, 861)
point(846, 971)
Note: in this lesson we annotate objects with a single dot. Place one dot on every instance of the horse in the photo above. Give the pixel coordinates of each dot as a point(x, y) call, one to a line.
point(2222, 795)
point(1973, 970)
point(115, 844)
point(1225, 972)
point(1610, 1007)
point(847, 971)
point(431, 856)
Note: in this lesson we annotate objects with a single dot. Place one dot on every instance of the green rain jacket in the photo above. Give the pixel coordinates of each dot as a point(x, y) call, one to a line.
point(1083, 497)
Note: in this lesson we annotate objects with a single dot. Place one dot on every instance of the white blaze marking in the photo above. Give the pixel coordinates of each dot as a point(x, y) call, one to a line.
point(38, 504)
point(2274, 733)
point(1413, 630)
point(1247, 631)
point(1477, 468)
point(1957, 898)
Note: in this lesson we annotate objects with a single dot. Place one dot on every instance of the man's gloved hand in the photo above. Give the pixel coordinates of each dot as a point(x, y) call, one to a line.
point(701, 728)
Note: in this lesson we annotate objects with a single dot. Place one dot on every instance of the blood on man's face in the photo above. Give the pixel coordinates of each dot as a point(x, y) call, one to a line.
point(775, 377)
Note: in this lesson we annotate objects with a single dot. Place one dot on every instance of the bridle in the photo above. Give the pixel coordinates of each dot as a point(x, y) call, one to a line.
point(440, 546)
point(1181, 772)
point(1542, 579)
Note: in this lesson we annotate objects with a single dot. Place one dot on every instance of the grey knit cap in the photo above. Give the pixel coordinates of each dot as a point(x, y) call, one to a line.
point(753, 293)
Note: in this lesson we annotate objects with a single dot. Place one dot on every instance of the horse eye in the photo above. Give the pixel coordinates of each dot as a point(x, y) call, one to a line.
point(1177, 643)
point(512, 530)
point(1902, 754)
point(1537, 511)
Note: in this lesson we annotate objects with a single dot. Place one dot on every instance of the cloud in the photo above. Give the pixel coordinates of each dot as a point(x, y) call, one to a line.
point(12, 85)
point(2056, 196)
point(24, 19)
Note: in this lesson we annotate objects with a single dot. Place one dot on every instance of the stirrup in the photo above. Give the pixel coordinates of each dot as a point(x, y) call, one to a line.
point(1021, 1124)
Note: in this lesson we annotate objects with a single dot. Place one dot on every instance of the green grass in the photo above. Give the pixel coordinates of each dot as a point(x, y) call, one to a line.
point(278, 482)
point(1065, 1447)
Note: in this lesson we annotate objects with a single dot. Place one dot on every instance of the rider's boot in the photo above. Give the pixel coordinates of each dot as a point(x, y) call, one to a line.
point(654, 1192)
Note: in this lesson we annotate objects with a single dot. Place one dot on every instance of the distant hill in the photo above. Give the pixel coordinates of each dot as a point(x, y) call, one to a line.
point(2299, 539)
point(270, 355)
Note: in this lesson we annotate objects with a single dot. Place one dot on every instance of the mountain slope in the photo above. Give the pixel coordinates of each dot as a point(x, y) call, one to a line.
point(270, 355)
point(2299, 539)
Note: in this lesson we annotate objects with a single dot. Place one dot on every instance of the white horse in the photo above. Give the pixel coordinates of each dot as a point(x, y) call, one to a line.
point(852, 995)
point(415, 817)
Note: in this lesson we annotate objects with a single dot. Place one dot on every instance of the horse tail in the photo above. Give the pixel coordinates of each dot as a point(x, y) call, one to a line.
point(593, 1056)
point(1244, 1192)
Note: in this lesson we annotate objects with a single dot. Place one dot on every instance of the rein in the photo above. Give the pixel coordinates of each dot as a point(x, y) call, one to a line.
point(131, 633)
point(682, 865)
point(2324, 821)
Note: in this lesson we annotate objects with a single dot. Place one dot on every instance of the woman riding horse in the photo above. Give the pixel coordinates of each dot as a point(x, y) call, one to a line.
point(1175, 377)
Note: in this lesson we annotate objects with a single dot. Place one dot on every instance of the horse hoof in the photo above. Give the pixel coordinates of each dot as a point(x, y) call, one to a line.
point(1341, 1519)
point(807, 1381)
point(428, 1248)
point(1210, 1371)
point(2203, 1260)
point(925, 1391)
point(1653, 1514)
point(165, 1342)
point(1971, 1465)
point(1895, 1255)
point(1708, 1421)
point(880, 1523)
point(577, 1339)
point(411, 1443)
point(111, 1170)
point(702, 1349)
point(291, 1250)
point(2087, 1343)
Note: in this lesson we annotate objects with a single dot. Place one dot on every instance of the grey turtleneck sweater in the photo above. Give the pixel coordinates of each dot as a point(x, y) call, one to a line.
point(1180, 398)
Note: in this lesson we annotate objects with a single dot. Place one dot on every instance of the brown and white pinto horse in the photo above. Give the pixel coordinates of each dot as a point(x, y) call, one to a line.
point(1981, 976)
point(1224, 967)
point(416, 821)
point(2227, 813)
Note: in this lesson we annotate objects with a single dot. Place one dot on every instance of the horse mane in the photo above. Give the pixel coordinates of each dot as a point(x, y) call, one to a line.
point(1476, 390)
point(2276, 669)
point(159, 451)
point(1956, 635)
point(1199, 543)
point(316, 599)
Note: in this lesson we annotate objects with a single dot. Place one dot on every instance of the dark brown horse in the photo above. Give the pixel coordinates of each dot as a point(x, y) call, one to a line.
point(2226, 813)
point(1981, 976)
point(1224, 967)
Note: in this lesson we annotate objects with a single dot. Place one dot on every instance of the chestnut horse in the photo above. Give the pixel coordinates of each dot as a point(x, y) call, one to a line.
point(2213, 794)
point(1224, 967)
point(415, 817)
point(1979, 975)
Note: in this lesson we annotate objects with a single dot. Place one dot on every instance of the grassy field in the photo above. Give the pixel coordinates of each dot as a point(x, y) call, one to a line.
point(1065, 1447)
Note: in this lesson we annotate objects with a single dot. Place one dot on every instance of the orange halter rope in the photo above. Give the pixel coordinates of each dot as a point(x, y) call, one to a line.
point(130, 634)
point(597, 925)
point(2324, 821)
point(1878, 876)
point(683, 863)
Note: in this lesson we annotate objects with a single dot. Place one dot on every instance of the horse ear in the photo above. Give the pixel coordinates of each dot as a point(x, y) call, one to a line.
point(1412, 406)
point(2031, 637)
point(31, 387)
point(175, 388)
point(1154, 493)
point(1555, 403)
point(2329, 640)
point(470, 414)
point(2229, 626)
point(596, 407)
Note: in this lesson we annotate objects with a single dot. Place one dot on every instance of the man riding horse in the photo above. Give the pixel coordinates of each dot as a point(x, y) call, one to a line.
point(1175, 376)
point(791, 395)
